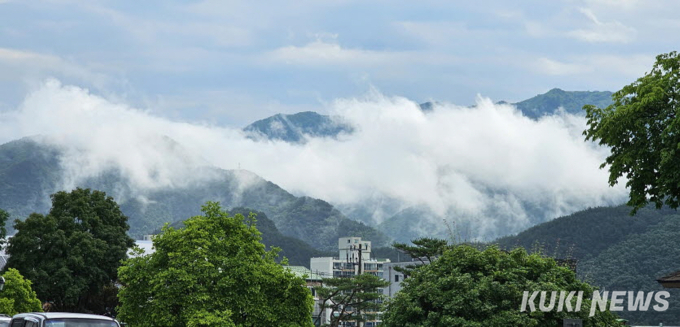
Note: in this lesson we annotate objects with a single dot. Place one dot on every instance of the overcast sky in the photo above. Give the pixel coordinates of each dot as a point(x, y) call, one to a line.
point(232, 62)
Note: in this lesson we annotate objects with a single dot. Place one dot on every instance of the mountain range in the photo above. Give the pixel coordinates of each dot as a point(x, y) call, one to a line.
point(298, 127)
point(31, 169)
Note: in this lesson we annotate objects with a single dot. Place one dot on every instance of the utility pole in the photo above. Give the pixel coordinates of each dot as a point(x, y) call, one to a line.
point(361, 271)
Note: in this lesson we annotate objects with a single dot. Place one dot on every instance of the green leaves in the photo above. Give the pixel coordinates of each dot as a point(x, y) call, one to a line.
point(72, 254)
point(17, 295)
point(213, 272)
point(642, 128)
point(469, 287)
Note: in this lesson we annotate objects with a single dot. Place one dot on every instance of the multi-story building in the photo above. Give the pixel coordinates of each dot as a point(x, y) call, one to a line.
point(354, 257)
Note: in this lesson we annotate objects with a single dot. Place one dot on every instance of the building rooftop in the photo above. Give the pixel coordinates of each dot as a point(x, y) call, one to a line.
point(302, 271)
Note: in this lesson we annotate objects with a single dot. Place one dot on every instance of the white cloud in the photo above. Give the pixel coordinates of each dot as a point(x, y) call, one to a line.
point(603, 32)
point(323, 53)
point(469, 162)
point(331, 54)
point(554, 67)
point(627, 67)
point(29, 67)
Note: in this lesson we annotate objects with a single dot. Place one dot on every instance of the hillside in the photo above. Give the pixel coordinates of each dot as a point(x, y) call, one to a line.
point(615, 251)
point(571, 101)
point(586, 233)
point(31, 171)
point(296, 251)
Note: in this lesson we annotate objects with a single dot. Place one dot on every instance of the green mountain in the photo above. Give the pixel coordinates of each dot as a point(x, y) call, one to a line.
point(615, 251)
point(30, 171)
point(571, 101)
point(296, 128)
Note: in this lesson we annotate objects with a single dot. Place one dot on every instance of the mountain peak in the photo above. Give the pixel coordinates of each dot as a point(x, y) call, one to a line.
point(298, 127)
point(571, 101)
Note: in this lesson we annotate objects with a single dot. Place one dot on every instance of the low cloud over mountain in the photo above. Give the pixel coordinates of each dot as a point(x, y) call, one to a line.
point(488, 166)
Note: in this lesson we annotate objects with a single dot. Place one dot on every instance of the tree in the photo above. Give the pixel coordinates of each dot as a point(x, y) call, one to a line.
point(642, 127)
point(72, 254)
point(17, 296)
point(353, 298)
point(469, 287)
point(423, 249)
point(4, 216)
point(213, 272)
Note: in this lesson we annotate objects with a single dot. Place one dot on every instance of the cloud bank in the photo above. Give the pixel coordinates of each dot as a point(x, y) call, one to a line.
point(456, 161)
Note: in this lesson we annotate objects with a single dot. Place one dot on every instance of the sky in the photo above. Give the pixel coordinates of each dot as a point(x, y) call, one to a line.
point(106, 80)
point(229, 63)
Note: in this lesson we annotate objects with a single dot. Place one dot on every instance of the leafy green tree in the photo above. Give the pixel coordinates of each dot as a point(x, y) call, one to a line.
point(73, 253)
point(642, 128)
point(213, 272)
point(4, 216)
point(17, 296)
point(353, 298)
point(470, 287)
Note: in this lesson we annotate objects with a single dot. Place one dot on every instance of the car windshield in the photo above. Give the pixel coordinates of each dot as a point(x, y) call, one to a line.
point(79, 323)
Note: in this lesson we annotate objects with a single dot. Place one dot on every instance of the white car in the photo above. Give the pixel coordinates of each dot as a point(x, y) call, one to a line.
point(4, 320)
point(61, 319)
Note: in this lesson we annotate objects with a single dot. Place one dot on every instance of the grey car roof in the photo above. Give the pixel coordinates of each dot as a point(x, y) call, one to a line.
point(58, 315)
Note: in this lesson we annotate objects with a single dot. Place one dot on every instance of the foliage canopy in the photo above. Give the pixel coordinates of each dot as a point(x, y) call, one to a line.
point(469, 287)
point(642, 128)
point(17, 296)
point(73, 253)
point(213, 272)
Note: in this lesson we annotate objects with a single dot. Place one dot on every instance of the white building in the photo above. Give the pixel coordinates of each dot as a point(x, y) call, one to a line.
point(354, 257)
point(394, 277)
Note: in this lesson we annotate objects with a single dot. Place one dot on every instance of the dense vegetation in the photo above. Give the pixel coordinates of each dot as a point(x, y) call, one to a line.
point(571, 101)
point(212, 272)
point(18, 296)
point(72, 254)
point(586, 233)
point(642, 129)
point(469, 287)
point(615, 251)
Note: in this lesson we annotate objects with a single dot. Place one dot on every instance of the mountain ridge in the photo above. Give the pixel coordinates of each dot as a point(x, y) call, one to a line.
point(30, 171)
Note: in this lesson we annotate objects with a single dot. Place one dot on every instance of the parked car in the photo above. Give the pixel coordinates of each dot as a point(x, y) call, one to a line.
point(4, 320)
point(61, 319)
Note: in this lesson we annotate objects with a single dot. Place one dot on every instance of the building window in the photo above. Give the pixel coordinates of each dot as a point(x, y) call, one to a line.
point(396, 278)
